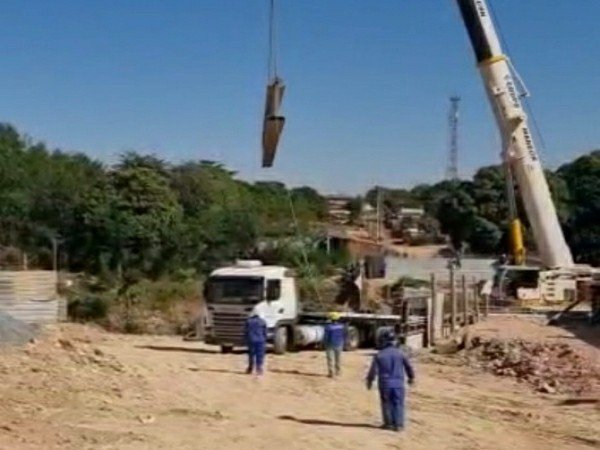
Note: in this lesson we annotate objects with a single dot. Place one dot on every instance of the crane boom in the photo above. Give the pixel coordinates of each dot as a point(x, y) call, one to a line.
point(517, 138)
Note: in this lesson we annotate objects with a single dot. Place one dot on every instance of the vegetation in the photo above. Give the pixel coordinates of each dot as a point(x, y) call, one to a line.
point(475, 212)
point(144, 226)
point(142, 220)
point(142, 217)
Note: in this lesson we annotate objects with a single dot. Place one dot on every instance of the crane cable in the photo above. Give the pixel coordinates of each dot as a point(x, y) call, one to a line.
point(311, 276)
point(272, 60)
point(273, 75)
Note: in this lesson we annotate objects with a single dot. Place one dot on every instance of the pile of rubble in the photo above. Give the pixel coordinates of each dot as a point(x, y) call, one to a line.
point(548, 367)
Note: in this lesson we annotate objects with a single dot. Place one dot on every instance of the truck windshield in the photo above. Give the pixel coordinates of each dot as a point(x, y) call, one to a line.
point(238, 290)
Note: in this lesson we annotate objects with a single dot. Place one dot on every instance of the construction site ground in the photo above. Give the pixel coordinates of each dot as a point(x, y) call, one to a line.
point(77, 387)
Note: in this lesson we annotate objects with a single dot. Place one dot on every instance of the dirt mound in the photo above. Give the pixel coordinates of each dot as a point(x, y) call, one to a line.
point(15, 332)
point(547, 366)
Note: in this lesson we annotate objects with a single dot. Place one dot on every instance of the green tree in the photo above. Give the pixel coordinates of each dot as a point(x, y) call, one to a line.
point(489, 193)
point(456, 213)
point(355, 207)
point(484, 237)
point(582, 178)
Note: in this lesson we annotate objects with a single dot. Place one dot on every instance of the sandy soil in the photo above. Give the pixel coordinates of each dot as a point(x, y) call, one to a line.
point(79, 388)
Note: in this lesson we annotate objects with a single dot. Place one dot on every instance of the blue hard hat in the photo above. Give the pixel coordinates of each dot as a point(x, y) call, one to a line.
point(388, 336)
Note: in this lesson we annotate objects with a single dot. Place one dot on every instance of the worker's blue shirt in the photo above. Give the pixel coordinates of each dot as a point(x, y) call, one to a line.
point(255, 330)
point(335, 335)
point(389, 365)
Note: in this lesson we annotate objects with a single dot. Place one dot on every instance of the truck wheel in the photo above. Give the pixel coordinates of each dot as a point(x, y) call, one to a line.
point(352, 339)
point(291, 340)
point(280, 341)
point(226, 349)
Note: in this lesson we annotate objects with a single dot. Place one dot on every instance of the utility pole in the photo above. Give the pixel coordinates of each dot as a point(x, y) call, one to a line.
point(378, 214)
point(452, 170)
point(55, 255)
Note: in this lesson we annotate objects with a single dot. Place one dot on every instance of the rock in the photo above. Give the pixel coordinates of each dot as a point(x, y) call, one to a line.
point(147, 419)
point(66, 344)
point(547, 389)
point(447, 348)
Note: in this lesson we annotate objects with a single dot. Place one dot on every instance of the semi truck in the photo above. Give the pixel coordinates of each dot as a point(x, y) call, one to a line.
point(233, 292)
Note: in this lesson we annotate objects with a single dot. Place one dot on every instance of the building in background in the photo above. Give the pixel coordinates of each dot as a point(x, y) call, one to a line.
point(338, 210)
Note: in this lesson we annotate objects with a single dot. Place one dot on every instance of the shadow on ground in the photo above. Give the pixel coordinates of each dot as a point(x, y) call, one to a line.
point(580, 325)
point(579, 401)
point(329, 423)
point(298, 372)
point(232, 372)
point(170, 348)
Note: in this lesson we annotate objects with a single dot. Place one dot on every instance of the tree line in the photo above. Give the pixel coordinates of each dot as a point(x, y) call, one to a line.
point(474, 213)
point(145, 217)
point(141, 217)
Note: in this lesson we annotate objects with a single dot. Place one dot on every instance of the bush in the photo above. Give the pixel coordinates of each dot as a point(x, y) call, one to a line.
point(88, 308)
point(156, 307)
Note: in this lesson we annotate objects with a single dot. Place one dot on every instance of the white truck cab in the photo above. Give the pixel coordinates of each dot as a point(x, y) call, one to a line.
point(232, 293)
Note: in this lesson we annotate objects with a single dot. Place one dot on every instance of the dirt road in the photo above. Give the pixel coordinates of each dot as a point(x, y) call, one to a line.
point(78, 388)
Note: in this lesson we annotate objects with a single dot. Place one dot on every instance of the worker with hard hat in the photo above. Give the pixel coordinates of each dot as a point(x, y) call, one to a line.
point(333, 342)
point(389, 366)
point(256, 340)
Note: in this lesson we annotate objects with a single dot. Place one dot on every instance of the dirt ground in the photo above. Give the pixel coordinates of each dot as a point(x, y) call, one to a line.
point(79, 388)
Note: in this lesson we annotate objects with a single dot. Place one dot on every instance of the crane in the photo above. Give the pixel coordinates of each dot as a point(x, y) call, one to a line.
point(521, 154)
point(556, 280)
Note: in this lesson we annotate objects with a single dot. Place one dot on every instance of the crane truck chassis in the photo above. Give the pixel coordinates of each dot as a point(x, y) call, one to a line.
point(232, 292)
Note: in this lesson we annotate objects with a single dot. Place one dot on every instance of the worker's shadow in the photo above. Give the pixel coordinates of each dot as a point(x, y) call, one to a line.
point(579, 401)
point(298, 372)
point(170, 348)
point(328, 423)
point(232, 372)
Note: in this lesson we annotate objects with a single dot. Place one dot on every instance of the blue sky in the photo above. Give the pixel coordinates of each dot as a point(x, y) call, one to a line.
point(368, 82)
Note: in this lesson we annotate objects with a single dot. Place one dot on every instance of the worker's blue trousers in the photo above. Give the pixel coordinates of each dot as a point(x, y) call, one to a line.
point(256, 356)
point(392, 406)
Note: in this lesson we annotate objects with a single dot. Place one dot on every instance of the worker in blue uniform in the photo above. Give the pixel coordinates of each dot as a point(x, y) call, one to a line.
point(333, 342)
point(389, 366)
point(256, 340)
